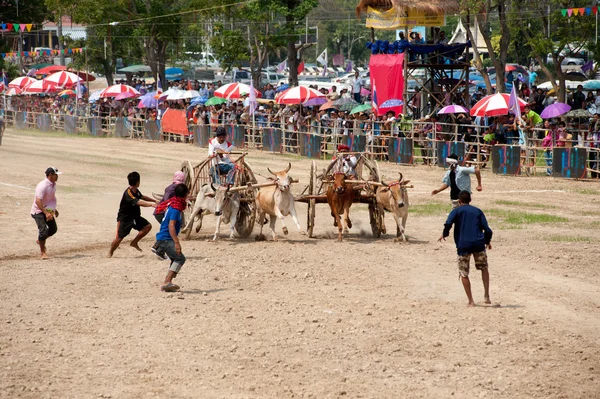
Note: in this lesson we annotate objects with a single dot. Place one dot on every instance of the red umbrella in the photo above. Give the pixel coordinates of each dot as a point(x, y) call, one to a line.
point(63, 79)
point(40, 86)
point(21, 82)
point(13, 91)
point(115, 90)
point(234, 90)
point(50, 69)
point(509, 68)
point(298, 95)
point(494, 105)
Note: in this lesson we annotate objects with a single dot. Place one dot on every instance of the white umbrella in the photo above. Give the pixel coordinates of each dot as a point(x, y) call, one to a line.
point(40, 86)
point(115, 90)
point(63, 79)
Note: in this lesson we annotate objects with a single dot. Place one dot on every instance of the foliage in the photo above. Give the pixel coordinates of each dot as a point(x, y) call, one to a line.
point(228, 48)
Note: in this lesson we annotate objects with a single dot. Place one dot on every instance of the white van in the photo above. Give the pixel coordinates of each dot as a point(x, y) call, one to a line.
point(203, 60)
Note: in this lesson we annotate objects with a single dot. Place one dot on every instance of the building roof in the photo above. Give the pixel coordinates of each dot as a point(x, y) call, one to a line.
point(73, 30)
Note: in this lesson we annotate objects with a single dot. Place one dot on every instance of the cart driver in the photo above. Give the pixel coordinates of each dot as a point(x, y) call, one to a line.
point(349, 161)
point(220, 149)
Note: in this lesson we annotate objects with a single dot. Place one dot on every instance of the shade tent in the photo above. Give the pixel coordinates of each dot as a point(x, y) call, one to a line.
point(135, 69)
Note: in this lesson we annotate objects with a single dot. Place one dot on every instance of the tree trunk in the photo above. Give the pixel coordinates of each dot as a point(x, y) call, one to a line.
point(498, 62)
point(108, 71)
point(292, 58)
point(477, 57)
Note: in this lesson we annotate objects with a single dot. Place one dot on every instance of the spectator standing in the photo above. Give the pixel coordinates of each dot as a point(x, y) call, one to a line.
point(356, 87)
point(43, 210)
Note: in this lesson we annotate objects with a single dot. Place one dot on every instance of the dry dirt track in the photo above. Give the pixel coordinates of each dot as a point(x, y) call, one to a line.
point(296, 318)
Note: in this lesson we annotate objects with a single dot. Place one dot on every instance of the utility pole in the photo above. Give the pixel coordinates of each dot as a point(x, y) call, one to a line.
point(59, 33)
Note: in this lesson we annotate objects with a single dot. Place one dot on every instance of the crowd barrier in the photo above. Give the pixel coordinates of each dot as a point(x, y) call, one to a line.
point(412, 143)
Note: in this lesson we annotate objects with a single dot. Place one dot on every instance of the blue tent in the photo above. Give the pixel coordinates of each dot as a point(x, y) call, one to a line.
point(173, 73)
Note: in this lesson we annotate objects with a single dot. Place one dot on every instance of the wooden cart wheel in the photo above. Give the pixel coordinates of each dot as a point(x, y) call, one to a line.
point(246, 216)
point(312, 203)
point(187, 222)
point(375, 219)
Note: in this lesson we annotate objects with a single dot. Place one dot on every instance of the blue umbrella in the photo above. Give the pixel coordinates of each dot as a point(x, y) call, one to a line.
point(282, 88)
point(591, 85)
point(391, 103)
point(198, 100)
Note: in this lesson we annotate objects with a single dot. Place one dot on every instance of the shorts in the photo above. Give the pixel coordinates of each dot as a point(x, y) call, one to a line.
point(481, 262)
point(168, 247)
point(124, 226)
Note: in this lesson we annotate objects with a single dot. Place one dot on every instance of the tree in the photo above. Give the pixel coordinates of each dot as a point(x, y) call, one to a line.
point(228, 48)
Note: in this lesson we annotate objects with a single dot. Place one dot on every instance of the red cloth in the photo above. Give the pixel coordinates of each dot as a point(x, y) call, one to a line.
point(387, 80)
point(175, 202)
point(301, 68)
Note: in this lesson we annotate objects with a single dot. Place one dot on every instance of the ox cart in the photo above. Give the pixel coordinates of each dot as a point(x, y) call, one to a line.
point(206, 172)
point(368, 178)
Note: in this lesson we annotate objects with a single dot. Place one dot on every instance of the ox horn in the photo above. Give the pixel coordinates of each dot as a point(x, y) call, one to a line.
point(213, 187)
point(400, 179)
point(289, 167)
point(384, 184)
point(271, 172)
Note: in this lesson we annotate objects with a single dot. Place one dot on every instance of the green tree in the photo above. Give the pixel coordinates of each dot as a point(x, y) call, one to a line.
point(228, 47)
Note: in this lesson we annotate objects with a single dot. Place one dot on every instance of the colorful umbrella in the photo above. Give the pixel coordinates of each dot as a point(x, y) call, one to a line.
point(22, 82)
point(215, 101)
point(453, 109)
point(39, 87)
point(63, 79)
point(234, 90)
point(361, 108)
point(115, 90)
point(67, 93)
point(13, 91)
point(391, 103)
point(125, 95)
point(494, 105)
point(315, 101)
point(148, 100)
point(298, 95)
point(510, 68)
point(555, 110)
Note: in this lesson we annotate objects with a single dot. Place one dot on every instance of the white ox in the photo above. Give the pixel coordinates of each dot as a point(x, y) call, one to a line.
point(217, 201)
point(393, 197)
point(277, 202)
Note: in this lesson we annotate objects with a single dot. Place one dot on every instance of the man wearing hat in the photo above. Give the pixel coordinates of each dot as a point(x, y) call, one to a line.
point(458, 179)
point(220, 148)
point(43, 210)
point(349, 161)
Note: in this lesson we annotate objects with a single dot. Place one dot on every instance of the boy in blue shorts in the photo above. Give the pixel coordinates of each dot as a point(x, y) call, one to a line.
point(166, 239)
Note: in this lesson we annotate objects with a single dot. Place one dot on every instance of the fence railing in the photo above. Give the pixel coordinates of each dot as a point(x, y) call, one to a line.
point(576, 155)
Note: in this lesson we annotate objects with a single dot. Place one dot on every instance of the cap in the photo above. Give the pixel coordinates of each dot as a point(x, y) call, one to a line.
point(452, 159)
point(52, 171)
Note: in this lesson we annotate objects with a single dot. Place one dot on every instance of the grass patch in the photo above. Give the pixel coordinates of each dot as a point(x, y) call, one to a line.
point(587, 191)
point(430, 209)
point(527, 204)
point(518, 218)
point(556, 238)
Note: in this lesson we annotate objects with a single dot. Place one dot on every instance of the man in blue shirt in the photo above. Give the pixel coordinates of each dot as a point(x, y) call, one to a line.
point(166, 239)
point(458, 179)
point(472, 236)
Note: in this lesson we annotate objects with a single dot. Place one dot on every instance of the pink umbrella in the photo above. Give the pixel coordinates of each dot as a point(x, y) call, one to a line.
point(298, 95)
point(22, 82)
point(453, 109)
point(40, 86)
point(115, 90)
point(364, 92)
point(63, 79)
point(125, 95)
point(494, 105)
point(234, 90)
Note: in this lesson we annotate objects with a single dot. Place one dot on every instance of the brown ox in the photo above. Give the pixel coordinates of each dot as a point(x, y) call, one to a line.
point(340, 197)
point(393, 197)
point(277, 202)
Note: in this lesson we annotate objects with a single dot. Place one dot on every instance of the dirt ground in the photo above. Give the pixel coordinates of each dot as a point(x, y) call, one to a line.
point(301, 317)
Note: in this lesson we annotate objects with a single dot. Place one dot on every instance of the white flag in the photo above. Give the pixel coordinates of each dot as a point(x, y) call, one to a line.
point(322, 59)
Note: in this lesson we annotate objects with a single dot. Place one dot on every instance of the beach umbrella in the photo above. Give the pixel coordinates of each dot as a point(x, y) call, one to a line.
point(453, 109)
point(13, 91)
point(494, 105)
point(67, 93)
point(315, 101)
point(215, 101)
point(234, 90)
point(591, 85)
point(63, 79)
point(361, 108)
point(39, 87)
point(125, 95)
point(555, 110)
point(327, 105)
point(391, 103)
point(22, 82)
point(298, 95)
point(115, 90)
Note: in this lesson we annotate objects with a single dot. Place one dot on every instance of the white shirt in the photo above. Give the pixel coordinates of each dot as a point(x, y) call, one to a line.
point(357, 85)
point(226, 146)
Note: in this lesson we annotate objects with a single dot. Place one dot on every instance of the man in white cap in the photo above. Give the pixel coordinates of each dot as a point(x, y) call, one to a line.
point(458, 179)
point(43, 210)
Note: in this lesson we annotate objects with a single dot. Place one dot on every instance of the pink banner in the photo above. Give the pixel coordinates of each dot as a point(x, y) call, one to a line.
point(387, 81)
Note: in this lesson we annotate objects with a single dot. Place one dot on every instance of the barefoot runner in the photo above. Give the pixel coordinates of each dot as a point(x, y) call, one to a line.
point(130, 216)
point(472, 235)
point(43, 210)
point(166, 239)
point(161, 206)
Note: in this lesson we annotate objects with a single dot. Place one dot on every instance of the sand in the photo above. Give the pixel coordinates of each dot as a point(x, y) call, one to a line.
point(301, 317)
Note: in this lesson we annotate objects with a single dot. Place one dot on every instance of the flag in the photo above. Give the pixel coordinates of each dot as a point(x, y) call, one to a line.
point(159, 89)
point(513, 103)
point(301, 67)
point(31, 72)
point(588, 66)
point(374, 100)
point(322, 59)
point(5, 79)
point(349, 66)
point(79, 93)
point(281, 67)
point(252, 99)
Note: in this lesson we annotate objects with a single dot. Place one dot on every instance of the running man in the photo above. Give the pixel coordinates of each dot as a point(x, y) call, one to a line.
point(458, 179)
point(166, 239)
point(43, 210)
point(130, 215)
point(472, 236)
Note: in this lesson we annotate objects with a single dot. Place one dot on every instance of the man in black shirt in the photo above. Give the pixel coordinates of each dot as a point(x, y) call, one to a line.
point(130, 216)
point(578, 98)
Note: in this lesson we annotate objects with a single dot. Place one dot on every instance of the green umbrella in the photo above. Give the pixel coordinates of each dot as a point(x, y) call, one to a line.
point(361, 108)
point(215, 101)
